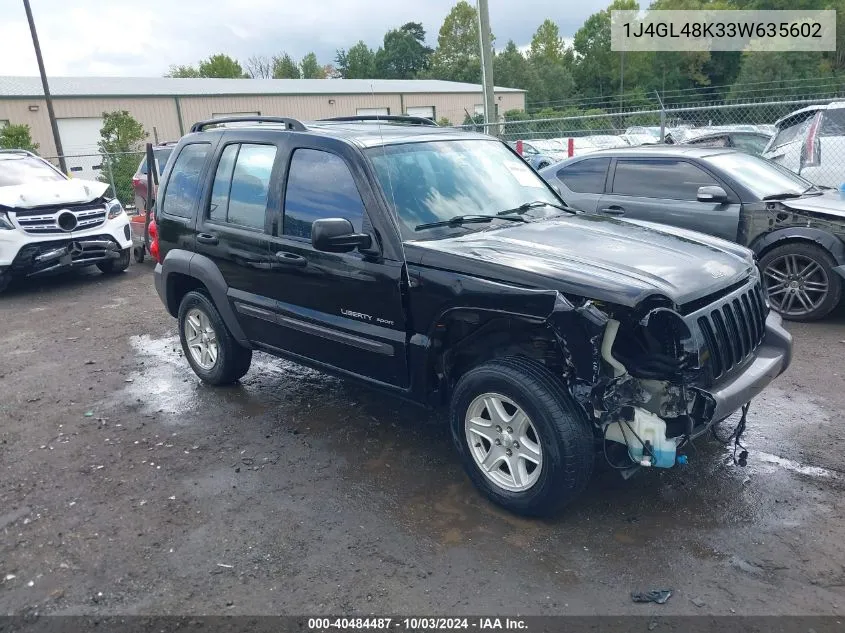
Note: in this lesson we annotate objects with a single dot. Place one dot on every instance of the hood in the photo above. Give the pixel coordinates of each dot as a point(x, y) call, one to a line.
point(831, 203)
point(595, 257)
point(46, 193)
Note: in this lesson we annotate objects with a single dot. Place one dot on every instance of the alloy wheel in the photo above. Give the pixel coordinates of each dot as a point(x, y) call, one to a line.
point(796, 284)
point(201, 339)
point(503, 442)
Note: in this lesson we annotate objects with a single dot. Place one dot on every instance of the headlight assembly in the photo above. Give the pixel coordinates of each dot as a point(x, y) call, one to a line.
point(114, 208)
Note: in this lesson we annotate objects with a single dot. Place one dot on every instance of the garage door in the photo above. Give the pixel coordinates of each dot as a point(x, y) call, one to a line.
point(79, 142)
point(424, 111)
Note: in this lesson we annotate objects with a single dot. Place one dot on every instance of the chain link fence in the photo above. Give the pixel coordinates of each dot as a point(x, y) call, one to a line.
point(809, 143)
point(115, 169)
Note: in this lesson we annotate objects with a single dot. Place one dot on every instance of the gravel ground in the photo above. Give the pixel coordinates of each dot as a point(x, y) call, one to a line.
point(128, 487)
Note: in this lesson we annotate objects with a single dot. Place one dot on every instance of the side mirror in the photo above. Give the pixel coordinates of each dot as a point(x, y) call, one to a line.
point(711, 194)
point(336, 235)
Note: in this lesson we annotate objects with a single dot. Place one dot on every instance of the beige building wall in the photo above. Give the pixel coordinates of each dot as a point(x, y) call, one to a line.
point(161, 112)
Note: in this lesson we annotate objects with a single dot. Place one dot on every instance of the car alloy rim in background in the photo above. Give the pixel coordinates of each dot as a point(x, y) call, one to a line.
point(796, 284)
point(201, 338)
point(503, 442)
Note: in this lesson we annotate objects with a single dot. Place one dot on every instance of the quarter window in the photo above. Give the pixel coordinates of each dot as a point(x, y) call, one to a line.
point(585, 176)
point(184, 184)
point(320, 185)
point(241, 185)
point(671, 179)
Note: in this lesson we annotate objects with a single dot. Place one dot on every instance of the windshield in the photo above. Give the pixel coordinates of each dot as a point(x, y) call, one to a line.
point(760, 176)
point(434, 181)
point(21, 170)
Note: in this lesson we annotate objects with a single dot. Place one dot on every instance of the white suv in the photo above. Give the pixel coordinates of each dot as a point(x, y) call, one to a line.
point(811, 142)
point(49, 222)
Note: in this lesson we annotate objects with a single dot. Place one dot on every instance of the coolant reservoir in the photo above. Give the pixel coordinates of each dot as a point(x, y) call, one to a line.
point(650, 429)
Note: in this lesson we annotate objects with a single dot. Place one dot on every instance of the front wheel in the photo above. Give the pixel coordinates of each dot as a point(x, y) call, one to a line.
point(5, 280)
point(213, 353)
point(522, 440)
point(800, 281)
point(118, 265)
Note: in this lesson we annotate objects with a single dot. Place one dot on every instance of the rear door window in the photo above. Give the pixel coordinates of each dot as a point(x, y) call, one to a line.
point(660, 178)
point(183, 188)
point(241, 185)
point(585, 176)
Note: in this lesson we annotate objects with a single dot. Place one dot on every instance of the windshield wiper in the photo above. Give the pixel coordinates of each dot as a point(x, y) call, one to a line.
point(459, 220)
point(526, 207)
point(783, 196)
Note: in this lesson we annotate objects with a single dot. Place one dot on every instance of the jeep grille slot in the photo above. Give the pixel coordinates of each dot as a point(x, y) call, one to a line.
point(733, 329)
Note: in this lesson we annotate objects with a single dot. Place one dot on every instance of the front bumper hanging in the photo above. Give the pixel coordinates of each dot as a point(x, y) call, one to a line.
point(45, 257)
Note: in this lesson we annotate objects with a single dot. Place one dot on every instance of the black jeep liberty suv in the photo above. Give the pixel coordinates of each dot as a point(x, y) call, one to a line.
point(437, 265)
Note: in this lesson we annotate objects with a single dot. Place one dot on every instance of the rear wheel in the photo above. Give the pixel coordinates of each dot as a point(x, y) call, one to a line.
point(118, 265)
point(800, 281)
point(5, 280)
point(522, 440)
point(213, 353)
point(138, 254)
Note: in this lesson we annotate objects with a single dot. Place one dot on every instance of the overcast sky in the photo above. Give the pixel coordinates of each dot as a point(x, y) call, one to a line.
point(144, 37)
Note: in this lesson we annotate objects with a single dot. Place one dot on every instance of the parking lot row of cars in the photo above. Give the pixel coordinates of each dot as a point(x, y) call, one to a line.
point(809, 142)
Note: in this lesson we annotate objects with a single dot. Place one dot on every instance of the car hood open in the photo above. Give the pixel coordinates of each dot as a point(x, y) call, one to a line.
point(46, 193)
point(595, 257)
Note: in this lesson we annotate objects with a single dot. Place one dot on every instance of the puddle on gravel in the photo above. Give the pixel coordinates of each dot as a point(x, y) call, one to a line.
point(403, 460)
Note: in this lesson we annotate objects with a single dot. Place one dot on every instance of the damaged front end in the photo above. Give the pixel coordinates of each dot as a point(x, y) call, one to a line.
point(656, 376)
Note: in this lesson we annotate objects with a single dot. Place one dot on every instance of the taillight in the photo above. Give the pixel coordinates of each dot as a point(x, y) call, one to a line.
point(811, 151)
point(519, 148)
point(153, 231)
point(136, 181)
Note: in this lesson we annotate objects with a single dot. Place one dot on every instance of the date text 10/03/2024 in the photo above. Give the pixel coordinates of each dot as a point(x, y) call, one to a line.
point(417, 624)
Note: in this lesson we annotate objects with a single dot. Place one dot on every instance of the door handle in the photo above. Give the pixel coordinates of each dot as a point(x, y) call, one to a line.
point(613, 210)
point(290, 259)
point(207, 238)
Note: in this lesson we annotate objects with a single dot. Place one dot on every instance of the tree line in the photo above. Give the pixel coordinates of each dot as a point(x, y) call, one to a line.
point(552, 73)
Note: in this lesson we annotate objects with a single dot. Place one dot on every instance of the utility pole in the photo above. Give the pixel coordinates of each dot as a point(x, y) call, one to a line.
point(487, 68)
point(621, 77)
point(47, 97)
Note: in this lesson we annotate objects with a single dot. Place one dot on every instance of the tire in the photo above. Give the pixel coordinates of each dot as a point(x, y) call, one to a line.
point(112, 266)
point(560, 430)
point(231, 361)
point(138, 254)
point(5, 280)
point(818, 291)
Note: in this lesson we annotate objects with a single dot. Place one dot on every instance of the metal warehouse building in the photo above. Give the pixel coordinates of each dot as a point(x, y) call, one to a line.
point(167, 107)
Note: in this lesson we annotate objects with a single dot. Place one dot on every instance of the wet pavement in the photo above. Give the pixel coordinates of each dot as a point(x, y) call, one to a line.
point(130, 487)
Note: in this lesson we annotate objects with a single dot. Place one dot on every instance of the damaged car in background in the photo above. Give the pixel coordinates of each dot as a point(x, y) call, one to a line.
point(436, 265)
point(796, 229)
point(50, 223)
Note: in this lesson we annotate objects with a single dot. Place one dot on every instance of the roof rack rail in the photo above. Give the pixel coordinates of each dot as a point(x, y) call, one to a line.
point(290, 124)
point(18, 151)
point(390, 118)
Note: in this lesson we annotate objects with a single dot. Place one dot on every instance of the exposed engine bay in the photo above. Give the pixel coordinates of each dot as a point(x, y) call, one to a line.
point(654, 369)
